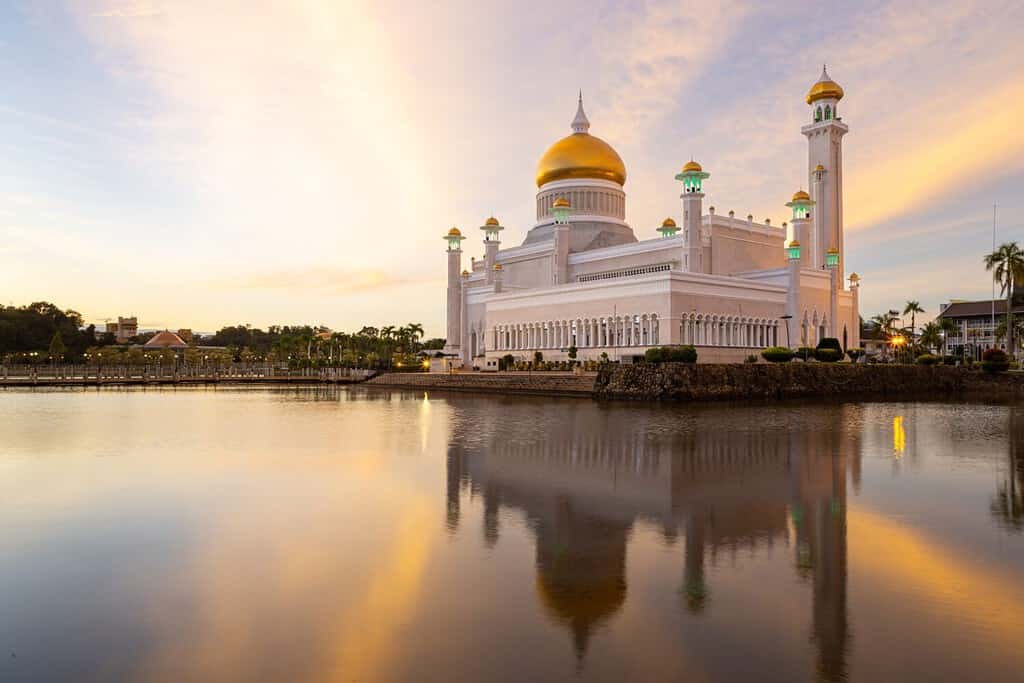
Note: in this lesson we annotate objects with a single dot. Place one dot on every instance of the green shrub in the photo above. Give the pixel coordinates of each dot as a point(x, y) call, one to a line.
point(572, 352)
point(506, 362)
point(949, 360)
point(831, 343)
point(777, 354)
point(826, 354)
point(928, 359)
point(995, 360)
point(805, 353)
point(538, 357)
point(854, 354)
point(671, 354)
point(752, 358)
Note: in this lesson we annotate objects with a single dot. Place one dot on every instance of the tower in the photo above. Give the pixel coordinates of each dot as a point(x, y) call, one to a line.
point(492, 232)
point(454, 328)
point(825, 169)
point(668, 228)
point(794, 314)
point(560, 207)
point(692, 177)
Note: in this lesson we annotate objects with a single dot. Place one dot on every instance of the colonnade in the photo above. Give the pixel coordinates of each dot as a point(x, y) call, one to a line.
point(583, 333)
point(701, 329)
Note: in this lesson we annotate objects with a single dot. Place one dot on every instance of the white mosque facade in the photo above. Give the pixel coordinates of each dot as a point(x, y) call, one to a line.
point(729, 286)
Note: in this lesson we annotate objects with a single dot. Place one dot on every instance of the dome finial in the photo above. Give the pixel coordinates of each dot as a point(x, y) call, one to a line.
point(580, 124)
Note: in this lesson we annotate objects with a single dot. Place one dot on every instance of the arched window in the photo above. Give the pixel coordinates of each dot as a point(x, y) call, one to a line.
point(828, 112)
point(817, 115)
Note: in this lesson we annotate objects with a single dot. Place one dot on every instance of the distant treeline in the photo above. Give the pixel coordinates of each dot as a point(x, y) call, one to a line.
point(43, 332)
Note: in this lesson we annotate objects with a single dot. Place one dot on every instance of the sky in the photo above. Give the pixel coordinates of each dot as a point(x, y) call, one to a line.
point(199, 164)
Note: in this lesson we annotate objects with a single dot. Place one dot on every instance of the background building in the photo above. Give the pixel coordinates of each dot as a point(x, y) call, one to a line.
point(124, 329)
point(975, 331)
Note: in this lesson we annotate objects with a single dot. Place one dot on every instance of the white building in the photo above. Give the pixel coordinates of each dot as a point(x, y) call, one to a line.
point(727, 285)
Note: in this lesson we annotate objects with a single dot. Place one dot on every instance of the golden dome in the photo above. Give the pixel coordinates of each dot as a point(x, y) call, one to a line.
point(801, 196)
point(580, 155)
point(491, 221)
point(832, 250)
point(691, 166)
point(465, 273)
point(454, 232)
point(794, 243)
point(825, 88)
point(819, 167)
point(668, 223)
point(854, 277)
point(561, 203)
point(497, 266)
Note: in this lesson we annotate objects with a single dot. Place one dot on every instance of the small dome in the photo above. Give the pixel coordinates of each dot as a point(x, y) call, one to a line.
point(824, 89)
point(454, 232)
point(465, 273)
point(692, 166)
point(832, 250)
point(561, 203)
point(491, 221)
point(668, 223)
point(497, 266)
point(801, 196)
point(819, 167)
point(794, 243)
point(854, 277)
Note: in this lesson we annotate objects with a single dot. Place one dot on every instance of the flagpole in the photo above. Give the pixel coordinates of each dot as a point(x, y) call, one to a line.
point(993, 279)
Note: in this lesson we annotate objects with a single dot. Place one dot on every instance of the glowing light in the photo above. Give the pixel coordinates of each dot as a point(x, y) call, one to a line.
point(899, 436)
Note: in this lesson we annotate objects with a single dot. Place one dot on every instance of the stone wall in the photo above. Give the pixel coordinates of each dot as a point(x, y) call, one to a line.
point(677, 381)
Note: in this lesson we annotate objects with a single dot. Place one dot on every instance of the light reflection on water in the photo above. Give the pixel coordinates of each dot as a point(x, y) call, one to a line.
point(323, 535)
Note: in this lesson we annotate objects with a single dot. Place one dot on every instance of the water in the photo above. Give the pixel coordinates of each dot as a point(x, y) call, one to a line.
point(333, 535)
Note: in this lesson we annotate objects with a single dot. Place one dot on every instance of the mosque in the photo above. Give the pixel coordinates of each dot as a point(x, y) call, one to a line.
point(729, 286)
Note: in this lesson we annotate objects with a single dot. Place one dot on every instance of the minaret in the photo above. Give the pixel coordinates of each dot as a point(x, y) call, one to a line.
point(492, 241)
point(825, 167)
point(561, 209)
point(855, 290)
point(668, 228)
point(832, 263)
point(454, 329)
point(793, 311)
point(802, 222)
point(692, 177)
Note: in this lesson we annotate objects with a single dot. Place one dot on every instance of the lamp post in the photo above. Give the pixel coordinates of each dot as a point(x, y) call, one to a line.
point(787, 318)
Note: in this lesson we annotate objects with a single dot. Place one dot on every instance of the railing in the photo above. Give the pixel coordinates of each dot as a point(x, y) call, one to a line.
point(159, 372)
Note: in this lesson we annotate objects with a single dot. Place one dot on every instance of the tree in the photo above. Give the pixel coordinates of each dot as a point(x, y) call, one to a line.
point(947, 326)
point(912, 309)
point(1007, 266)
point(57, 348)
point(931, 336)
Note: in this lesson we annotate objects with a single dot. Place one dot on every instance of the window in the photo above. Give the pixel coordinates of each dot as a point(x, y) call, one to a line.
point(828, 112)
point(817, 115)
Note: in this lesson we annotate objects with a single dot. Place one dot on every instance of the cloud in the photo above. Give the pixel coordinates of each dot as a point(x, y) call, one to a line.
point(322, 280)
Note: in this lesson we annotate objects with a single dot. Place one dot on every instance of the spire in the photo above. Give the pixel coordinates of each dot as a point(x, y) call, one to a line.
point(824, 74)
point(580, 124)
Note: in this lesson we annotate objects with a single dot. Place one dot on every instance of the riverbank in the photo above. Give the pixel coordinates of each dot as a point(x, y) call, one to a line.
point(683, 382)
point(536, 383)
point(169, 381)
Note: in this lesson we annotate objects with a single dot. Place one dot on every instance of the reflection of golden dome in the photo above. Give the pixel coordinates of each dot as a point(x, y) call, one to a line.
point(581, 155)
point(491, 221)
point(668, 223)
point(454, 232)
point(692, 166)
point(825, 88)
point(561, 203)
point(801, 196)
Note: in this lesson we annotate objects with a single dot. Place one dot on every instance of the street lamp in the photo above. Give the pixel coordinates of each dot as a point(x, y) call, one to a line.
point(787, 318)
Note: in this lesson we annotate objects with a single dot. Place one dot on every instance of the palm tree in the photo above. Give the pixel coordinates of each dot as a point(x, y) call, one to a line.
point(912, 309)
point(1007, 266)
point(947, 326)
point(931, 335)
point(415, 331)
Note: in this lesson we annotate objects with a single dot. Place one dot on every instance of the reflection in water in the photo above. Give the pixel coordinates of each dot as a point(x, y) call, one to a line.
point(899, 437)
point(724, 488)
point(1008, 501)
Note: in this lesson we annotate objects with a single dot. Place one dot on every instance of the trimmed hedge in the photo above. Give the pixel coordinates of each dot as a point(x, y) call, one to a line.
point(826, 354)
point(831, 343)
point(777, 354)
point(928, 359)
point(671, 354)
point(805, 353)
point(995, 360)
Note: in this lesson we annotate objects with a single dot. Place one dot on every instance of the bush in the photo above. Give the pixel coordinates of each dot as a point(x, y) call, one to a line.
point(805, 353)
point(572, 352)
point(538, 357)
point(854, 354)
point(827, 354)
point(752, 358)
point(928, 359)
point(995, 360)
point(671, 354)
point(777, 354)
point(506, 362)
point(949, 360)
point(831, 343)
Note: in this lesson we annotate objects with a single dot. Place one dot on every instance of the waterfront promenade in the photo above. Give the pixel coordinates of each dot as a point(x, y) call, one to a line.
point(85, 375)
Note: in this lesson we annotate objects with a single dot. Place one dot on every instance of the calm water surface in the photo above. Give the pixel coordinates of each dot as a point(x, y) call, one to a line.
point(332, 535)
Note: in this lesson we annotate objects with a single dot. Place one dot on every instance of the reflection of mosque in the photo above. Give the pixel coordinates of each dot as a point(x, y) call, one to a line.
point(1008, 501)
point(583, 484)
